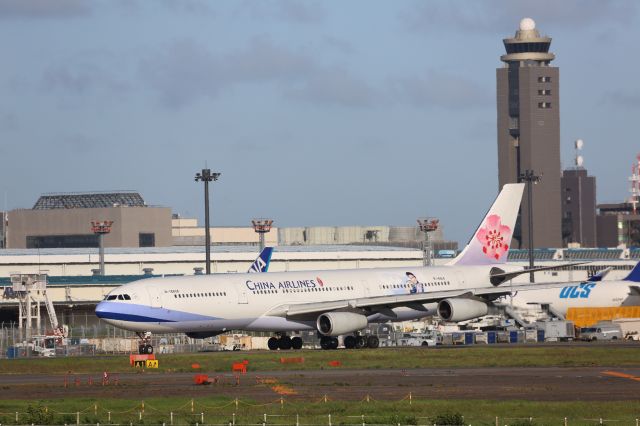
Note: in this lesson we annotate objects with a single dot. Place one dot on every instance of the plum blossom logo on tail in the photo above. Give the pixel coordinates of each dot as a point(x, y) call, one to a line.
point(494, 237)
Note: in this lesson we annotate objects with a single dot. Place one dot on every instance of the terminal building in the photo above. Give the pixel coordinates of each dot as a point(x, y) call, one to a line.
point(65, 221)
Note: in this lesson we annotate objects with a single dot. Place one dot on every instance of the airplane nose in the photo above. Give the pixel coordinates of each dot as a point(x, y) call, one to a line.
point(103, 311)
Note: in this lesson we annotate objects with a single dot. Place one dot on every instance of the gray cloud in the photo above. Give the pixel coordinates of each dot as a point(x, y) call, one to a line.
point(263, 60)
point(8, 121)
point(335, 86)
point(299, 11)
point(340, 45)
point(80, 144)
point(81, 78)
point(504, 16)
point(303, 12)
point(623, 98)
point(436, 89)
point(183, 72)
point(29, 9)
point(196, 7)
point(187, 71)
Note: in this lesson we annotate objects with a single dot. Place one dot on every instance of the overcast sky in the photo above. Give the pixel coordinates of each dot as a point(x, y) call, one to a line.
point(316, 112)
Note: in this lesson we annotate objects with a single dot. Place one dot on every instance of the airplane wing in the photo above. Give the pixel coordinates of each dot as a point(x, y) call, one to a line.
point(498, 276)
point(598, 276)
point(414, 301)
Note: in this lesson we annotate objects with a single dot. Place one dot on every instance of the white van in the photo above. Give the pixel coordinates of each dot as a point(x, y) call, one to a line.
point(601, 331)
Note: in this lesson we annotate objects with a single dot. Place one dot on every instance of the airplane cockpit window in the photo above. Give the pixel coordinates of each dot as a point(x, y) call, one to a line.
point(117, 297)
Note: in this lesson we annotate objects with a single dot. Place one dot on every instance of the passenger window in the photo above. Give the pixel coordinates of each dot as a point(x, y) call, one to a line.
point(127, 297)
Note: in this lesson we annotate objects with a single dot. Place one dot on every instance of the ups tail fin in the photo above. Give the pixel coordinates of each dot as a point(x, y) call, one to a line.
point(634, 275)
point(261, 264)
point(490, 243)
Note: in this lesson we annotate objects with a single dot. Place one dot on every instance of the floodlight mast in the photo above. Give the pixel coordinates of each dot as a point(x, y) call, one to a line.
point(531, 178)
point(207, 176)
point(262, 226)
point(100, 228)
point(427, 225)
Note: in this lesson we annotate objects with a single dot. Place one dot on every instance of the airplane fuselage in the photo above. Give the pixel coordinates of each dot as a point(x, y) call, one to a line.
point(250, 301)
point(601, 294)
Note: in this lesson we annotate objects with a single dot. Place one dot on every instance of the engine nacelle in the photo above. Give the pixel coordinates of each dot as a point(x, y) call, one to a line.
point(461, 309)
point(337, 323)
point(203, 334)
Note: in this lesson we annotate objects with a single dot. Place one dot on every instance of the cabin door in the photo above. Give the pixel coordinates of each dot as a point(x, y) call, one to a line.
point(242, 297)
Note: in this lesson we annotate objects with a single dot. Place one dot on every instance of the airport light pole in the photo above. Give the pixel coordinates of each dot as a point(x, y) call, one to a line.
point(206, 176)
point(261, 226)
point(531, 178)
point(427, 225)
point(101, 228)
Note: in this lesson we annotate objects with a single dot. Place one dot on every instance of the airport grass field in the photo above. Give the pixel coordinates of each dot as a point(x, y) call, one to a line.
point(314, 393)
point(223, 411)
point(383, 358)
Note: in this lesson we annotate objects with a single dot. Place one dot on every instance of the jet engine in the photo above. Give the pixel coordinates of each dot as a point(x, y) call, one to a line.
point(461, 309)
point(337, 323)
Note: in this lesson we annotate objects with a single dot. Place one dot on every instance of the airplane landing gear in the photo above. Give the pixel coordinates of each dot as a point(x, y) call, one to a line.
point(144, 345)
point(284, 342)
point(328, 342)
point(358, 342)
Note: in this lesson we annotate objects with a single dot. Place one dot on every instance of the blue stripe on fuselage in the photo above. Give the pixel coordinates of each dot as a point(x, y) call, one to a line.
point(124, 311)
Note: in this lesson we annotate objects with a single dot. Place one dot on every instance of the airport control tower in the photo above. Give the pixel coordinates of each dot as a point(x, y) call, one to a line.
point(529, 131)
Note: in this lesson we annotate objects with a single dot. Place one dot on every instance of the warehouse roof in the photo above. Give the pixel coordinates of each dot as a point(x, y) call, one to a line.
point(89, 200)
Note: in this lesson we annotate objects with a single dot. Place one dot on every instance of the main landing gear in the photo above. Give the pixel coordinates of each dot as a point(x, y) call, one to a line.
point(284, 342)
point(355, 341)
point(328, 342)
point(358, 342)
point(144, 345)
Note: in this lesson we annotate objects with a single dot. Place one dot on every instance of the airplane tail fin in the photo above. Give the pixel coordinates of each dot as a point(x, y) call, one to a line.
point(634, 275)
point(490, 243)
point(261, 264)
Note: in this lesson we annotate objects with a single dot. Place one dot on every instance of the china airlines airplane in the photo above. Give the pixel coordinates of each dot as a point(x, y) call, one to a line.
point(333, 302)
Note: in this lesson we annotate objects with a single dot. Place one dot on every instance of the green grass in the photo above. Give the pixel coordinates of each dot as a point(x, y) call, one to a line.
point(221, 410)
point(476, 356)
point(218, 410)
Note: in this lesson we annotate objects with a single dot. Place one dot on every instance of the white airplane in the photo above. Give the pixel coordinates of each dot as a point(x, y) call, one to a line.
point(592, 293)
point(333, 302)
